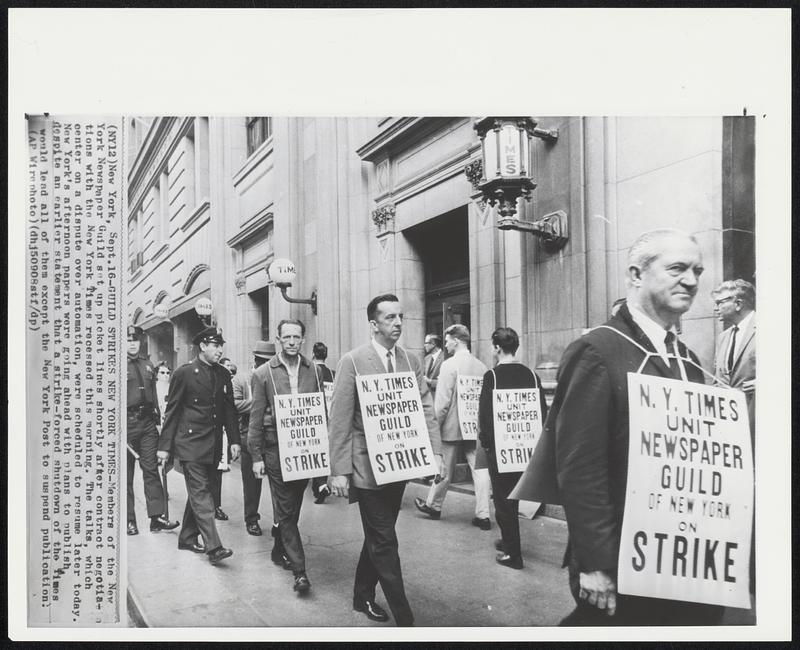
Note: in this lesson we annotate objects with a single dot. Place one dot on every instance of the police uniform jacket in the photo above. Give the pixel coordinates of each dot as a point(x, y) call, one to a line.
point(269, 379)
point(142, 384)
point(199, 404)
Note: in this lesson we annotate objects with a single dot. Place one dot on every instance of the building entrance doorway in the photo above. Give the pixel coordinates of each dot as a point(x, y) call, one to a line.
point(442, 244)
point(161, 338)
point(443, 247)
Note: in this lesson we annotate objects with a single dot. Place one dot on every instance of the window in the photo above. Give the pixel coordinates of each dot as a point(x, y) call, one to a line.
point(259, 130)
point(135, 254)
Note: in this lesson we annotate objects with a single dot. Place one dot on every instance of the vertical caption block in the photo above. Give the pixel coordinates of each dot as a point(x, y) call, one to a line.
point(75, 254)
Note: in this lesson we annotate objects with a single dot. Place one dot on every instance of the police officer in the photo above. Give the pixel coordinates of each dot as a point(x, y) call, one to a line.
point(143, 414)
point(199, 404)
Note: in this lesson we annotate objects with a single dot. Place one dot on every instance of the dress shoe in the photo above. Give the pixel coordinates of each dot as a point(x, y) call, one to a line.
point(218, 554)
point(194, 547)
point(132, 529)
point(301, 583)
point(509, 560)
point(322, 494)
point(498, 544)
point(162, 523)
point(219, 513)
point(424, 507)
point(373, 611)
point(483, 524)
point(254, 529)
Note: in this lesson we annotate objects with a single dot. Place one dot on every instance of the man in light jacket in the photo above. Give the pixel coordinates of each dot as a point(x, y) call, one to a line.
point(461, 362)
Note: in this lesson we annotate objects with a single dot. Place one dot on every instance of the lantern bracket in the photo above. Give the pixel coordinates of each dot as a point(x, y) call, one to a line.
point(552, 228)
point(298, 301)
point(548, 135)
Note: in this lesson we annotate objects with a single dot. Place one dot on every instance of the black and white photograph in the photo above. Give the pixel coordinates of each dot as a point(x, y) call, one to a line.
point(484, 367)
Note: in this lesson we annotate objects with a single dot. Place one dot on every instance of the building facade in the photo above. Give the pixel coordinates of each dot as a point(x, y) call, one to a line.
point(371, 205)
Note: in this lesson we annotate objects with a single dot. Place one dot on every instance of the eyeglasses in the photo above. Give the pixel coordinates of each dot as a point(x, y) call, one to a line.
point(717, 303)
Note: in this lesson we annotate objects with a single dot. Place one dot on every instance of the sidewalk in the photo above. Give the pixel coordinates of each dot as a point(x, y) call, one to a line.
point(450, 574)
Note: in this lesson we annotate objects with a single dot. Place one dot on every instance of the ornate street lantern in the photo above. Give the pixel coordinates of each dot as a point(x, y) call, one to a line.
point(161, 310)
point(204, 308)
point(282, 272)
point(507, 174)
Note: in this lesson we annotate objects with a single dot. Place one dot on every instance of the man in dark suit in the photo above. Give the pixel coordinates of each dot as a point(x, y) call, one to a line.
point(581, 460)
point(351, 473)
point(199, 404)
point(734, 306)
point(433, 360)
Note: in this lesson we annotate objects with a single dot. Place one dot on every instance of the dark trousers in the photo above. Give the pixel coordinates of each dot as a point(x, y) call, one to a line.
point(637, 610)
point(251, 487)
point(143, 438)
point(380, 560)
point(287, 498)
point(216, 486)
point(506, 510)
point(198, 516)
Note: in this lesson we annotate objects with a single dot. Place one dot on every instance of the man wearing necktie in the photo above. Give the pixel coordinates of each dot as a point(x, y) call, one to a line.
point(581, 460)
point(433, 361)
point(734, 306)
point(351, 473)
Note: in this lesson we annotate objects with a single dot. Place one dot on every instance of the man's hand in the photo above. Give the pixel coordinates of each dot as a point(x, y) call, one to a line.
point(599, 590)
point(258, 468)
point(339, 485)
point(163, 456)
point(235, 451)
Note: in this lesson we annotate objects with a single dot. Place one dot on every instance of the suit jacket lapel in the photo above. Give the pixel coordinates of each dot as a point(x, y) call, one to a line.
point(747, 336)
point(374, 361)
point(401, 360)
point(722, 348)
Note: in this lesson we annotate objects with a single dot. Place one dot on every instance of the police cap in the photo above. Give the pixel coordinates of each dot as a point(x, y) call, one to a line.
point(209, 335)
point(135, 333)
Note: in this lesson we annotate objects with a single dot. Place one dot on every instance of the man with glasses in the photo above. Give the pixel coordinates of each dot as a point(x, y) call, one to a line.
point(143, 415)
point(163, 375)
point(433, 361)
point(734, 307)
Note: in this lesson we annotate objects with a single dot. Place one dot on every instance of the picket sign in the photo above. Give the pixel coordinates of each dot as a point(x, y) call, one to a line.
point(468, 393)
point(398, 444)
point(302, 426)
point(517, 426)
